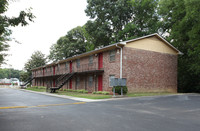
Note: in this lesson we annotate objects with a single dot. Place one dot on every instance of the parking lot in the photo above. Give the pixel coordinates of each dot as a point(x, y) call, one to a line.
point(33, 112)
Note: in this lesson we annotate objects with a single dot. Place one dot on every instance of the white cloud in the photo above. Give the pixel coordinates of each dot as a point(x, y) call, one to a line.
point(53, 20)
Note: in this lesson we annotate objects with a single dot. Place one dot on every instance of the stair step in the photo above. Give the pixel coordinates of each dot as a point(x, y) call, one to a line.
point(67, 76)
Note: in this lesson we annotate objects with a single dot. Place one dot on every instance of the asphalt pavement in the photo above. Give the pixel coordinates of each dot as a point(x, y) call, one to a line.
point(48, 113)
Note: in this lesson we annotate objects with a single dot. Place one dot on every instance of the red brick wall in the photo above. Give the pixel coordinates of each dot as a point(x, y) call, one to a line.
point(148, 71)
point(84, 77)
point(110, 68)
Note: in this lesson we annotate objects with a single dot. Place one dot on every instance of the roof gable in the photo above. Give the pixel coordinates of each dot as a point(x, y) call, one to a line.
point(153, 42)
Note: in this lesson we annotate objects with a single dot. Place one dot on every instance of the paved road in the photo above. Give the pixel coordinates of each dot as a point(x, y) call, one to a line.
point(165, 113)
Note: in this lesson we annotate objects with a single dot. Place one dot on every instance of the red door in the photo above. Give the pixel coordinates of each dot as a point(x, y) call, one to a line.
point(54, 70)
point(70, 66)
point(54, 83)
point(100, 83)
point(100, 61)
point(70, 84)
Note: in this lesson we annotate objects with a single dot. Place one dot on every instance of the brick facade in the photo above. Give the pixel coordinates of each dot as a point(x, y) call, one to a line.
point(148, 71)
point(145, 71)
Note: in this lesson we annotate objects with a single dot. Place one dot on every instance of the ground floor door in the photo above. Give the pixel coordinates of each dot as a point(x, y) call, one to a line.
point(100, 83)
point(54, 83)
point(70, 84)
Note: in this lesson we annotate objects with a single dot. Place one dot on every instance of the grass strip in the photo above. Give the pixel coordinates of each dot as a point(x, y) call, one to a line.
point(148, 94)
point(82, 95)
point(98, 96)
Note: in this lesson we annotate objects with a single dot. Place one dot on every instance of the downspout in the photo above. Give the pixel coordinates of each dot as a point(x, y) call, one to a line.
point(120, 57)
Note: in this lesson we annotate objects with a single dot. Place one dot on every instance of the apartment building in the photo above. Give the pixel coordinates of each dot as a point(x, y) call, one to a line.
point(148, 63)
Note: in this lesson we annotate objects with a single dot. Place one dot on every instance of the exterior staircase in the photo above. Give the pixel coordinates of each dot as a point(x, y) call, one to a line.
point(61, 81)
point(27, 81)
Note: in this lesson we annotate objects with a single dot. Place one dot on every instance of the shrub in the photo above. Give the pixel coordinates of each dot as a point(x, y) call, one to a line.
point(81, 91)
point(65, 90)
point(69, 90)
point(99, 92)
point(196, 89)
point(36, 87)
point(85, 92)
point(118, 89)
point(105, 93)
point(29, 85)
point(41, 87)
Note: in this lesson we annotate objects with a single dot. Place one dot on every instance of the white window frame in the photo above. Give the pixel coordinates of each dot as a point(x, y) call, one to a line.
point(67, 65)
point(58, 67)
point(78, 63)
point(91, 60)
point(112, 54)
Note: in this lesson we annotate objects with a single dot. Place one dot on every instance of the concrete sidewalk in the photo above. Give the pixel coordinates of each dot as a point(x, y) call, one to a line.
point(63, 96)
point(92, 100)
point(77, 98)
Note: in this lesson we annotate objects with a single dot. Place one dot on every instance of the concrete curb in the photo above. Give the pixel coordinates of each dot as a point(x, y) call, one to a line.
point(99, 100)
point(62, 96)
point(71, 97)
point(76, 98)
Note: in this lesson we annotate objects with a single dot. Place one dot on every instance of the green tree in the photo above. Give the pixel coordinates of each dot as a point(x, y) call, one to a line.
point(24, 75)
point(9, 73)
point(181, 21)
point(116, 20)
point(37, 59)
point(6, 22)
point(100, 33)
point(58, 51)
point(76, 41)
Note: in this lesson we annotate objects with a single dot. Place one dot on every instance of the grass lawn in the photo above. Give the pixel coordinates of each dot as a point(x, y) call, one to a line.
point(147, 94)
point(95, 96)
point(82, 95)
point(100, 96)
point(74, 94)
point(38, 89)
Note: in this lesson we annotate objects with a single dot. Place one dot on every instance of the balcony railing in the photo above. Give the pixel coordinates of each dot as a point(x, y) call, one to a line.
point(81, 68)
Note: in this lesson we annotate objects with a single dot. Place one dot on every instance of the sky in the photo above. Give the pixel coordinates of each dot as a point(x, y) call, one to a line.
point(54, 18)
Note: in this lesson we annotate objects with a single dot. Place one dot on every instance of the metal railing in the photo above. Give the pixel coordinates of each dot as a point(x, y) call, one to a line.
point(82, 68)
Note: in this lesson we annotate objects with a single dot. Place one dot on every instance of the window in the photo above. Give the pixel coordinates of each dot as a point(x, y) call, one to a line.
point(112, 55)
point(77, 81)
point(78, 63)
point(91, 60)
point(110, 77)
point(58, 67)
point(66, 65)
point(51, 69)
point(90, 81)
